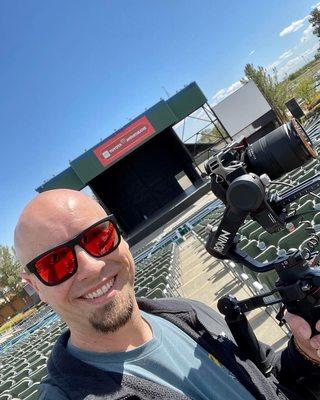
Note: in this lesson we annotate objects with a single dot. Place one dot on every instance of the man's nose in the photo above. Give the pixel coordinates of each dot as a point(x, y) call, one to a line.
point(88, 265)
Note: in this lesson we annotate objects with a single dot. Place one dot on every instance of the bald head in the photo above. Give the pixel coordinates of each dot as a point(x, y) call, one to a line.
point(51, 218)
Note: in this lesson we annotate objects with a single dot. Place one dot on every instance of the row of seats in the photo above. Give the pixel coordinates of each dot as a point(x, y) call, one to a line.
point(24, 356)
point(23, 365)
point(158, 275)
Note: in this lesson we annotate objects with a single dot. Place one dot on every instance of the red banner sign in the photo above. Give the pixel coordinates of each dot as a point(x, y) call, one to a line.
point(124, 141)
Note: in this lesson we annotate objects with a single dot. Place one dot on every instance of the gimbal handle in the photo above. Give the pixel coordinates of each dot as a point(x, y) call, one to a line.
point(298, 284)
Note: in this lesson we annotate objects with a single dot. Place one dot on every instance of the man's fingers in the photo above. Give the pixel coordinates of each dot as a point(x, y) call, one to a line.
point(315, 342)
point(300, 328)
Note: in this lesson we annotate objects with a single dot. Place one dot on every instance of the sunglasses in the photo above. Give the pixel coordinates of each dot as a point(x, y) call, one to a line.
point(60, 263)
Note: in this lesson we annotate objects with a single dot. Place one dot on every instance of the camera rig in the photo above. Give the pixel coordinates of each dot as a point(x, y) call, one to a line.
point(240, 175)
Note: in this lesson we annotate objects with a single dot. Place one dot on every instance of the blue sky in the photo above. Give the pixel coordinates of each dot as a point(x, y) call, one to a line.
point(73, 72)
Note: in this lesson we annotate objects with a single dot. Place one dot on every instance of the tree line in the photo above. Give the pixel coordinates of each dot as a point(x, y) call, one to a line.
point(10, 268)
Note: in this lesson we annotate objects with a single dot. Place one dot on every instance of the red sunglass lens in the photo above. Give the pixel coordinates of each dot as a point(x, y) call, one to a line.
point(57, 265)
point(101, 239)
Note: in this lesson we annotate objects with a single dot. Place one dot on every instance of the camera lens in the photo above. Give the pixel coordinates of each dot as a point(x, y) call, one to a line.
point(280, 151)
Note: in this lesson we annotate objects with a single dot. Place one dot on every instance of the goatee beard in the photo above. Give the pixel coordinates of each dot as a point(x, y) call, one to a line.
point(113, 316)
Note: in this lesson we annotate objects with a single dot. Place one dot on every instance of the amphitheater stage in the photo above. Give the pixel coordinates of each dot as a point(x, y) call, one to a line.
point(166, 214)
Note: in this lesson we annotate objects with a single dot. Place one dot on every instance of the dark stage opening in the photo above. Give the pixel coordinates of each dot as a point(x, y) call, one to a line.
point(143, 182)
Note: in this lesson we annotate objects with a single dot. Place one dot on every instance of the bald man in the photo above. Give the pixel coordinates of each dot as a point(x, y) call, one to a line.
point(118, 347)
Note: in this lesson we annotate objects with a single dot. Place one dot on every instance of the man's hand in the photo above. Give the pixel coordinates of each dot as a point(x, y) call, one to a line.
point(301, 330)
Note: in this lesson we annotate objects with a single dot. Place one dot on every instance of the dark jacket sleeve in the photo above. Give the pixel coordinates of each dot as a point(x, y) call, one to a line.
point(291, 367)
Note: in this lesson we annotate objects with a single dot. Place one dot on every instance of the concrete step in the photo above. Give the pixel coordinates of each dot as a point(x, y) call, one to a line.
point(206, 279)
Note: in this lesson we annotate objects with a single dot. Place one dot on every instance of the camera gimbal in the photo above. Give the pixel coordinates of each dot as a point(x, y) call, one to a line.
point(236, 179)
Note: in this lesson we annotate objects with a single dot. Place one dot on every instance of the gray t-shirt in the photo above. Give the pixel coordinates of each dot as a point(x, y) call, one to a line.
point(171, 359)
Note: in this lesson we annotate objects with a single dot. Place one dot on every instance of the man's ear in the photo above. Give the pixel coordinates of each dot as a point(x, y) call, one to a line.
point(29, 279)
point(125, 243)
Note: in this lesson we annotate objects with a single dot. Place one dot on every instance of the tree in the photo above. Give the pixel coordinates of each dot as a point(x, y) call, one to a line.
point(212, 135)
point(305, 89)
point(304, 69)
point(10, 268)
point(275, 92)
point(315, 21)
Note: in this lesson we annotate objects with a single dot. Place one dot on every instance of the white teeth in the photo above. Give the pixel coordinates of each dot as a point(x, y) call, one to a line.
point(104, 289)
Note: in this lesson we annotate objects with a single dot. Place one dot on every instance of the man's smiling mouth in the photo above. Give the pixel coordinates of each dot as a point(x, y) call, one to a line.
point(100, 291)
point(103, 290)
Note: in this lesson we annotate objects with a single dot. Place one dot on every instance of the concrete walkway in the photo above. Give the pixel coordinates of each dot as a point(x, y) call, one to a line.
point(206, 279)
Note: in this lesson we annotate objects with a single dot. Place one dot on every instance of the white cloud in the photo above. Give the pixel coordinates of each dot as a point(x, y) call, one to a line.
point(275, 64)
point(315, 6)
point(280, 59)
point(252, 52)
point(310, 51)
point(222, 93)
point(293, 27)
point(219, 95)
point(291, 64)
point(286, 54)
point(298, 61)
point(235, 86)
point(307, 34)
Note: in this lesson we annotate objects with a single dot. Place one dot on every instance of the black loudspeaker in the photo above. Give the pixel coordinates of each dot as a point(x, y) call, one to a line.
point(294, 108)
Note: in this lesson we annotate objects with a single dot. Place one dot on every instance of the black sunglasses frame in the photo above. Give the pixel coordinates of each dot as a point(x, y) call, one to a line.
point(70, 244)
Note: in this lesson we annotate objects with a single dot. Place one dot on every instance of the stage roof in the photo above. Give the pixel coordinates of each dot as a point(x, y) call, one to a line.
point(103, 155)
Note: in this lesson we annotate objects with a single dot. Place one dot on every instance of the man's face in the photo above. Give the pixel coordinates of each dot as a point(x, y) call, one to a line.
point(110, 277)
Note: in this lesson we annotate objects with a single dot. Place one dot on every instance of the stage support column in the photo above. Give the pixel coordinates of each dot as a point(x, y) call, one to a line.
point(192, 174)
